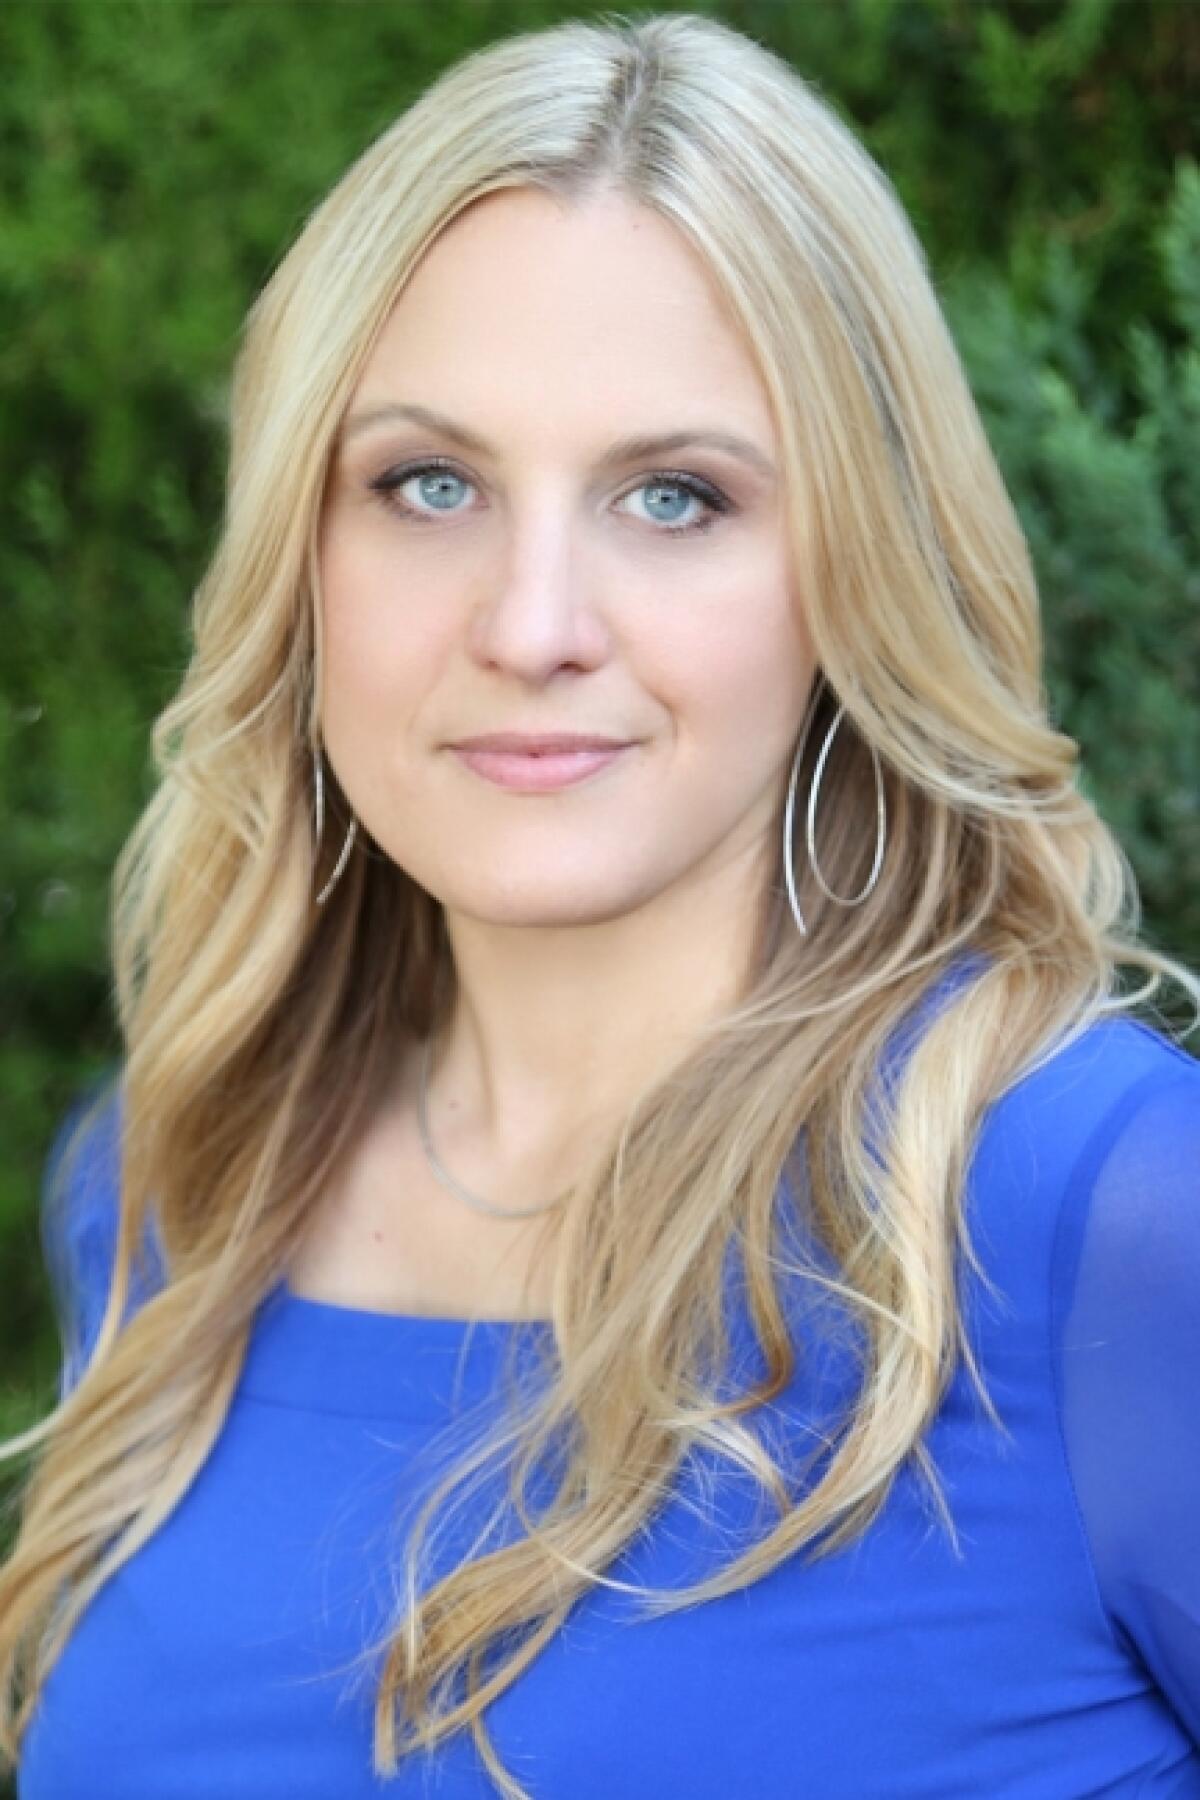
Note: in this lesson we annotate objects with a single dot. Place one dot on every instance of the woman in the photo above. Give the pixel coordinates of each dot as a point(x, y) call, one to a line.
point(637, 1247)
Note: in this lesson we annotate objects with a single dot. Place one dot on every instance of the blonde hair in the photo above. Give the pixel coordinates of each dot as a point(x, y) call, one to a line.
point(258, 1028)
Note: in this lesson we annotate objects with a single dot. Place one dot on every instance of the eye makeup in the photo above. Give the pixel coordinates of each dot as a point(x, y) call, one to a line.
point(715, 502)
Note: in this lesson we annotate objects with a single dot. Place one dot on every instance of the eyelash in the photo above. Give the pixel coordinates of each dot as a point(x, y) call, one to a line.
point(386, 486)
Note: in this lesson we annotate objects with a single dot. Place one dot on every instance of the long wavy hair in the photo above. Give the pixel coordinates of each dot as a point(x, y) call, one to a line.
point(258, 1028)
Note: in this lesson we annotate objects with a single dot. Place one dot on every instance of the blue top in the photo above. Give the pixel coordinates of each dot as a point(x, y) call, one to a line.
point(1057, 1657)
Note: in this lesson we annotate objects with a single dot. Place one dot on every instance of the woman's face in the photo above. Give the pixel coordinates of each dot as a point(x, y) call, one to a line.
point(549, 576)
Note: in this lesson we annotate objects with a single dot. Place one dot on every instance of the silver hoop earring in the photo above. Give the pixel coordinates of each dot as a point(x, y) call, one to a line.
point(319, 786)
point(810, 828)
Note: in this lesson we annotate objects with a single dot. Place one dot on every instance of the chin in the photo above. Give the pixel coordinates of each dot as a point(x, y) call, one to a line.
point(541, 908)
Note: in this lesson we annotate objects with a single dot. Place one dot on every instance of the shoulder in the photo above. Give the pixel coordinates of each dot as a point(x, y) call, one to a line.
point(82, 1175)
point(1129, 1217)
point(1071, 1098)
point(1117, 1085)
point(1081, 1089)
point(79, 1219)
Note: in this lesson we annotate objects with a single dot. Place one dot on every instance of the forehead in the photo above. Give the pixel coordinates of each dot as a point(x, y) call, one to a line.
point(529, 305)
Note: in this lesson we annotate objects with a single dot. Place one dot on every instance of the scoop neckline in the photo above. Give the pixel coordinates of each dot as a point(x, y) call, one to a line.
point(442, 1324)
point(318, 1356)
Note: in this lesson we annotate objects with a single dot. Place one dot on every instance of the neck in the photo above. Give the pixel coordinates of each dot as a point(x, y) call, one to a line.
point(553, 1030)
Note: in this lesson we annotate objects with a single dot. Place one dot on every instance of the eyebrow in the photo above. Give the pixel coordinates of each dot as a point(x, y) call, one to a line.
point(625, 450)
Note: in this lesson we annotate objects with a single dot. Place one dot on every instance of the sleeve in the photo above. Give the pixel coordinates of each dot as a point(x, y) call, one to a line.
point(1127, 1353)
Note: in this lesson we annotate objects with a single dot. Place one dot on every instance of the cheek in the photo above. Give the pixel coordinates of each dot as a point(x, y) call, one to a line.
point(738, 672)
point(378, 655)
point(378, 666)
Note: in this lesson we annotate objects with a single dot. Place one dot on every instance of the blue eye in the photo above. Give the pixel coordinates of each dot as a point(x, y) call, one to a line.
point(437, 481)
point(673, 487)
point(440, 481)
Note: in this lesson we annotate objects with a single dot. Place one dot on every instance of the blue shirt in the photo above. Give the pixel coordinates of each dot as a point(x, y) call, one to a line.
point(1057, 1657)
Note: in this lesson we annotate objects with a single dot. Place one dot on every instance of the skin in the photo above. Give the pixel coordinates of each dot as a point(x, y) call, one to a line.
point(596, 928)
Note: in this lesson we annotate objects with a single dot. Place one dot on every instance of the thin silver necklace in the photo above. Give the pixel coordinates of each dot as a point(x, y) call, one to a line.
point(444, 1175)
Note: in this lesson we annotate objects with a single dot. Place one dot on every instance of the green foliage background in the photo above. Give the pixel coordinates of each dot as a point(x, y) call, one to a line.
point(157, 157)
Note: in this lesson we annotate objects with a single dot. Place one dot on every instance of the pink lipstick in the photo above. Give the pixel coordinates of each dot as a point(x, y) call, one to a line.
point(537, 764)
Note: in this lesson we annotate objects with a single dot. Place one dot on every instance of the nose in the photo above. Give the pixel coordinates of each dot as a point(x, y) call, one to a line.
point(538, 615)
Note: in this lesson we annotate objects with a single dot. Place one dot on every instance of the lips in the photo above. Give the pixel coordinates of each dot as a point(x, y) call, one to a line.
point(542, 769)
point(516, 743)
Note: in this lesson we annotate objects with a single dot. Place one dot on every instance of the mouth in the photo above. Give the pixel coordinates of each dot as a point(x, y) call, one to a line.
point(545, 743)
point(540, 770)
